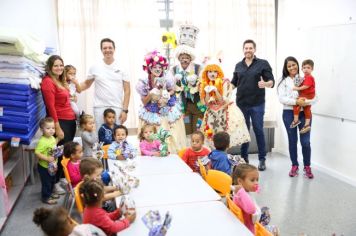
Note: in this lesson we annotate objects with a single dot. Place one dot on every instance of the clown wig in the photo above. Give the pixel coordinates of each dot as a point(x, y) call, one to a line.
point(218, 83)
point(152, 59)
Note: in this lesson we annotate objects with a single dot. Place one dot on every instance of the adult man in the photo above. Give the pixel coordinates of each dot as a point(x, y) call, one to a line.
point(251, 76)
point(186, 74)
point(110, 83)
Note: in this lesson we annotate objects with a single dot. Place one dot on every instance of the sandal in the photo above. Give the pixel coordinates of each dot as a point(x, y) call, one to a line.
point(54, 196)
point(294, 124)
point(305, 129)
point(50, 201)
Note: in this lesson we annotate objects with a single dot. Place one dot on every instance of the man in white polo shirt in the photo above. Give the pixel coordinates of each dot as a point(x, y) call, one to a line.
point(112, 85)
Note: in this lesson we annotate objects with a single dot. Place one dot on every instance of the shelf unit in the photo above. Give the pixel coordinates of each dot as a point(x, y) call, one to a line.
point(17, 166)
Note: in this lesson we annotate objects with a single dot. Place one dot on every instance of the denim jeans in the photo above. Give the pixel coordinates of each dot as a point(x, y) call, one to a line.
point(293, 138)
point(255, 114)
point(47, 182)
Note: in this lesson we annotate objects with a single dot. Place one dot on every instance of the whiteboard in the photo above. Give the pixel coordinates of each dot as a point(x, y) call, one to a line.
point(333, 50)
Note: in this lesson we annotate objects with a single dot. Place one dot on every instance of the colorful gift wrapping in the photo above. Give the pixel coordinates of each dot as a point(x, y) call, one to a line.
point(162, 135)
point(153, 221)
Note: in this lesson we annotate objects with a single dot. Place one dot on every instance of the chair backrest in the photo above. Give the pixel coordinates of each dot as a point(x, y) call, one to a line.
point(219, 181)
point(181, 152)
point(202, 169)
point(105, 148)
point(261, 231)
point(234, 208)
point(64, 163)
point(78, 198)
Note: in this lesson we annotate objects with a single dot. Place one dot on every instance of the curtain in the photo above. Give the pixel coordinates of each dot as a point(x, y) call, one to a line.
point(134, 26)
point(224, 26)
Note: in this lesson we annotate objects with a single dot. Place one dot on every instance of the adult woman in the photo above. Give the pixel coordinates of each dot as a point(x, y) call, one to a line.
point(56, 96)
point(288, 98)
point(160, 106)
point(221, 114)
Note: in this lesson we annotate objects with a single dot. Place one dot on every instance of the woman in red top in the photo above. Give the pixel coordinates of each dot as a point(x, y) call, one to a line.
point(56, 96)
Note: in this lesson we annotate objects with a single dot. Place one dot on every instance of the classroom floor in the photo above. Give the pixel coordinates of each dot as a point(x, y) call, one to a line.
point(319, 207)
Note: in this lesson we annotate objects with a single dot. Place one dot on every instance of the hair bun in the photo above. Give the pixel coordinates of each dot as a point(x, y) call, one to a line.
point(40, 215)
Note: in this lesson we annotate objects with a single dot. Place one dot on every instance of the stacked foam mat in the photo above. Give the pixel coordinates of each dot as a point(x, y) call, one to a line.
point(21, 70)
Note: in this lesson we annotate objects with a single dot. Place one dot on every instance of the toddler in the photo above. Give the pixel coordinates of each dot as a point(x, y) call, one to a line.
point(306, 91)
point(74, 87)
point(106, 130)
point(148, 146)
point(91, 168)
point(196, 151)
point(120, 149)
point(44, 153)
point(74, 152)
point(92, 192)
point(219, 158)
point(245, 180)
point(57, 222)
point(89, 137)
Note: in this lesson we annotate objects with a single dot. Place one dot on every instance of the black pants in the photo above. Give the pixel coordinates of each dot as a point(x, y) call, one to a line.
point(69, 128)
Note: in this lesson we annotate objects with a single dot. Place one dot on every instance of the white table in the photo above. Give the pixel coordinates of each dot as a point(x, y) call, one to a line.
point(171, 189)
point(147, 165)
point(202, 218)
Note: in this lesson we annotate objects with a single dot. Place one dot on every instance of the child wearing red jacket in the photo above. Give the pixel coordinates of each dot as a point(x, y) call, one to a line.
point(92, 192)
point(196, 151)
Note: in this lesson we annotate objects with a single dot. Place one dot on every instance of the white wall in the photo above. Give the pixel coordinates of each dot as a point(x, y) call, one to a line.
point(37, 17)
point(332, 140)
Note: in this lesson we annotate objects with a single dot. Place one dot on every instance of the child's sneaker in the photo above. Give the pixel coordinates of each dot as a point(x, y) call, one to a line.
point(294, 171)
point(305, 129)
point(307, 172)
point(294, 124)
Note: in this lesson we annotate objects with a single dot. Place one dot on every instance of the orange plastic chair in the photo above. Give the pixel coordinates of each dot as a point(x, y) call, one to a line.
point(202, 169)
point(261, 231)
point(219, 181)
point(78, 198)
point(234, 208)
point(181, 152)
point(105, 148)
point(70, 192)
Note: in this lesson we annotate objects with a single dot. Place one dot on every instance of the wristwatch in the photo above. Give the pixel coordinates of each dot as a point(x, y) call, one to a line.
point(126, 111)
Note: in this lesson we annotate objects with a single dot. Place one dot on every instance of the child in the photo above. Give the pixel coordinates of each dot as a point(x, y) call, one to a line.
point(196, 151)
point(148, 146)
point(120, 149)
point(306, 91)
point(89, 137)
point(91, 168)
point(106, 130)
point(245, 180)
point(92, 192)
point(57, 222)
point(69, 74)
point(219, 159)
point(74, 151)
point(43, 152)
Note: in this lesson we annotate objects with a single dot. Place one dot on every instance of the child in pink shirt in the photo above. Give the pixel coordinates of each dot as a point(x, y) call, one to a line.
point(92, 193)
point(245, 180)
point(148, 146)
point(74, 151)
